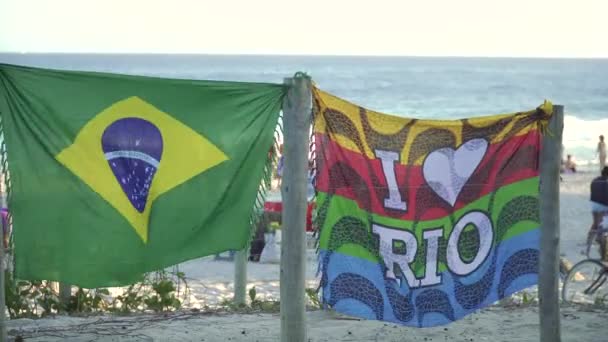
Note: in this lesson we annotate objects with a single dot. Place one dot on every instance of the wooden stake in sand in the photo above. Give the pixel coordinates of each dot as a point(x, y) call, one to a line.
point(65, 292)
point(549, 217)
point(296, 119)
point(240, 276)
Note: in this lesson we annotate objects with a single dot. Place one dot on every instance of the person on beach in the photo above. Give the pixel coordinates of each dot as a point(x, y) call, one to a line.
point(599, 202)
point(570, 165)
point(601, 151)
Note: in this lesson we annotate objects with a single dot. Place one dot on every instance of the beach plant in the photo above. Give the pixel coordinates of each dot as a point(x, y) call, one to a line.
point(87, 301)
point(528, 298)
point(159, 292)
point(18, 297)
point(48, 300)
point(29, 299)
point(313, 296)
point(228, 305)
point(266, 306)
point(252, 294)
point(256, 305)
point(181, 278)
point(163, 297)
point(131, 300)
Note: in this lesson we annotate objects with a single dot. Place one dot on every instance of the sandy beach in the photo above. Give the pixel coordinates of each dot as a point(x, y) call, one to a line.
point(493, 324)
point(212, 281)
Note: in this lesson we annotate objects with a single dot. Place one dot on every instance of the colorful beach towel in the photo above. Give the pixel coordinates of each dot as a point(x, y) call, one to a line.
point(425, 221)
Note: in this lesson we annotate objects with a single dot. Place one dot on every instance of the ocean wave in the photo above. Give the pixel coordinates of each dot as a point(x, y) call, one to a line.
point(580, 138)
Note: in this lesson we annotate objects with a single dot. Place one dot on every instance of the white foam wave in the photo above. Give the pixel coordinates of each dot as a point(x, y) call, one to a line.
point(581, 136)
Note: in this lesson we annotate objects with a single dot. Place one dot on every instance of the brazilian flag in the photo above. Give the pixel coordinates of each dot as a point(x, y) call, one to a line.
point(112, 176)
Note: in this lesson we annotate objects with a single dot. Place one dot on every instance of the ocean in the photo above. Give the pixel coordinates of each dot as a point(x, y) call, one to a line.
point(422, 87)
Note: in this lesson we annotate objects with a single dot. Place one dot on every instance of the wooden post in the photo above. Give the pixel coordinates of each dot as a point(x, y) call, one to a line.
point(240, 276)
point(549, 217)
point(3, 318)
point(296, 119)
point(65, 292)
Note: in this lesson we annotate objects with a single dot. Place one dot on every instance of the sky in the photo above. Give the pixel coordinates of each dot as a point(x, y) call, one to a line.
point(508, 28)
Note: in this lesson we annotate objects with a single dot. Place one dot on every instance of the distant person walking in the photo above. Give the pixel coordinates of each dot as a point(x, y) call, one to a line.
point(570, 164)
point(601, 151)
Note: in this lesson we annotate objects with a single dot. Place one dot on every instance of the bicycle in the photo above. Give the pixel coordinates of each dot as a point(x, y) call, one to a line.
point(597, 245)
point(587, 281)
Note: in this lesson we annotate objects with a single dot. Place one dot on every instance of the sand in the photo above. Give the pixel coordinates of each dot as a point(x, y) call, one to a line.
point(212, 281)
point(494, 324)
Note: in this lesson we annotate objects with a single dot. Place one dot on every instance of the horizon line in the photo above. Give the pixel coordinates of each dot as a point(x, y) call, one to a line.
point(290, 55)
